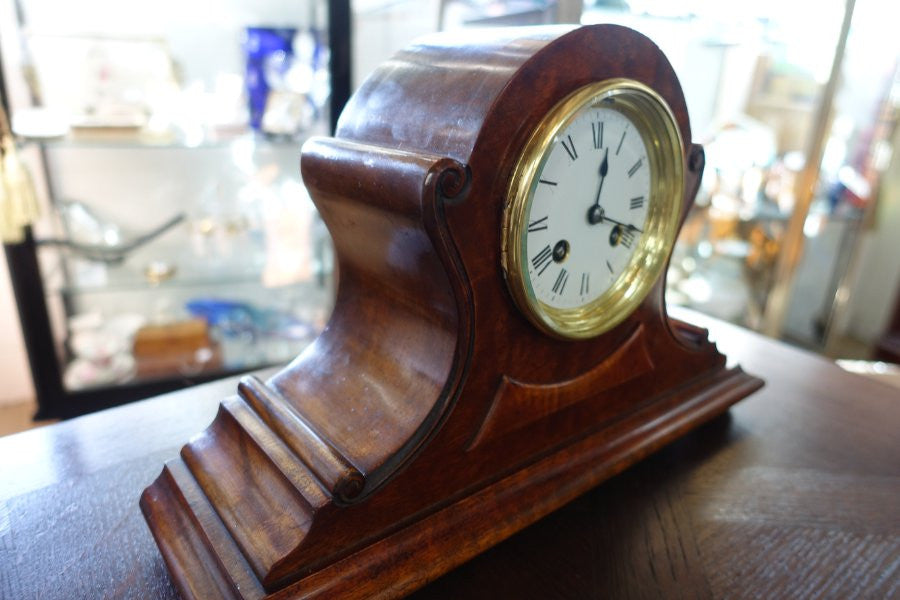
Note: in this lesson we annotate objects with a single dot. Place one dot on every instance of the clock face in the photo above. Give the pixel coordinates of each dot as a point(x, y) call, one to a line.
point(588, 213)
point(593, 209)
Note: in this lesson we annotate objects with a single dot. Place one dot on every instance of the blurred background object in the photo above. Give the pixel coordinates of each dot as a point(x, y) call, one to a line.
point(18, 205)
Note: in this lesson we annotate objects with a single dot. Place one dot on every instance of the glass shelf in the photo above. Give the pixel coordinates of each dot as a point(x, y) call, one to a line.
point(188, 329)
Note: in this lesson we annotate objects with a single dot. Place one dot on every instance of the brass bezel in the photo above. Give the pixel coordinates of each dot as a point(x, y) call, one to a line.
point(653, 119)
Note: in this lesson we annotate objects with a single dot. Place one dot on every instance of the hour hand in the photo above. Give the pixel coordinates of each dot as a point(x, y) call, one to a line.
point(604, 169)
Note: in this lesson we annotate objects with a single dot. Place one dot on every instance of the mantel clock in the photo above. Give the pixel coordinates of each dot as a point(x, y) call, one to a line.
point(503, 204)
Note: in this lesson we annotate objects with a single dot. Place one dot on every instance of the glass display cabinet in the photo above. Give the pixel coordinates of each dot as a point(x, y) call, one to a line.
point(176, 243)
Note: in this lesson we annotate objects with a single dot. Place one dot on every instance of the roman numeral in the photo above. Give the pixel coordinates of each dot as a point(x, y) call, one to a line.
point(597, 129)
point(570, 147)
point(585, 283)
point(634, 168)
point(546, 182)
point(543, 259)
point(537, 225)
point(620, 142)
point(609, 266)
point(561, 280)
point(637, 202)
point(626, 237)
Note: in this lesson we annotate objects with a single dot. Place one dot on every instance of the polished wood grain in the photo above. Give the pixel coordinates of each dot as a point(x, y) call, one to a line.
point(431, 420)
point(519, 403)
point(792, 494)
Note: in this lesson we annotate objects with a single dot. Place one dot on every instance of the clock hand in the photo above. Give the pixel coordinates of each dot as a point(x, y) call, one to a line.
point(600, 215)
point(595, 212)
point(604, 169)
point(603, 217)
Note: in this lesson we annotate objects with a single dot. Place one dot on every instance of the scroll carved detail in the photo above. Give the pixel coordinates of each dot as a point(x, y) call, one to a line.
point(453, 182)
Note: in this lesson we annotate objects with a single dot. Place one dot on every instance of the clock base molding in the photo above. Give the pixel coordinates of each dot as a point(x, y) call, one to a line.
point(205, 560)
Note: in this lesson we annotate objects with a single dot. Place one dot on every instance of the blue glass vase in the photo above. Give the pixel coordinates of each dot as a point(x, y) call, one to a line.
point(260, 45)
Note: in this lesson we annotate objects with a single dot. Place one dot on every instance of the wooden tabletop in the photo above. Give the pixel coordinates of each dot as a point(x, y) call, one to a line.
point(793, 494)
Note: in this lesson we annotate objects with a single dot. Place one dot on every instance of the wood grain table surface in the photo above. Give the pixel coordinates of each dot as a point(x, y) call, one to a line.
point(795, 493)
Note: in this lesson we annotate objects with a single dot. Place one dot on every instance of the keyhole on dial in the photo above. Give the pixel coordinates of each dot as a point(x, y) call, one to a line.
point(615, 236)
point(560, 251)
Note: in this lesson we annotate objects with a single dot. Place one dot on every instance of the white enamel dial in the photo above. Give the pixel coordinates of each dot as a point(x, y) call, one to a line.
point(593, 208)
point(589, 208)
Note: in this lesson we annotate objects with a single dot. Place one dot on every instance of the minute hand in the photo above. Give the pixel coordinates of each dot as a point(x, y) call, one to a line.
point(620, 224)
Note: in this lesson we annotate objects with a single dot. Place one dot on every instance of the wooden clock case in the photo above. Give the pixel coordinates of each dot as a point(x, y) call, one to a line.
point(431, 420)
